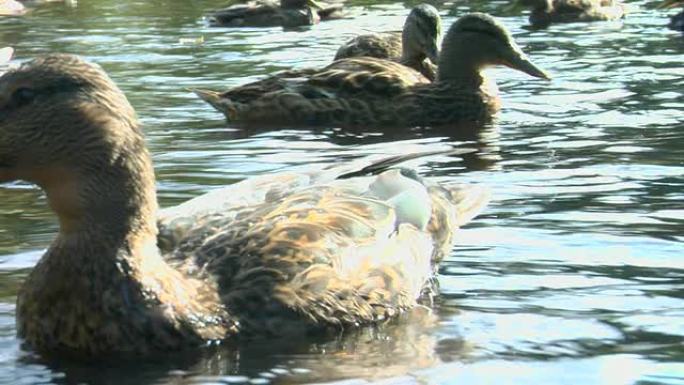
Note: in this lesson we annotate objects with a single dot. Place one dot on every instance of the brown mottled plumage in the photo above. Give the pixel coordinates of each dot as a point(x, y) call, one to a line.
point(270, 13)
point(336, 247)
point(415, 46)
point(546, 12)
point(374, 92)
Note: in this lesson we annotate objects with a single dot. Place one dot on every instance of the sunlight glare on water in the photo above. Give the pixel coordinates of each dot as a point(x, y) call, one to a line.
point(573, 275)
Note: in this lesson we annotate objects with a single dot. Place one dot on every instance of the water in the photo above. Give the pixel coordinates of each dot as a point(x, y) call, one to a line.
point(573, 275)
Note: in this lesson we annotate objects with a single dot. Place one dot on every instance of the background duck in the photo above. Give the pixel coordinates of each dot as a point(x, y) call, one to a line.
point(279, 254)
point(270, 13)
point(412, 46)
point(11, 8)
point(546, 12)
point(374, 92)
point(677, 21)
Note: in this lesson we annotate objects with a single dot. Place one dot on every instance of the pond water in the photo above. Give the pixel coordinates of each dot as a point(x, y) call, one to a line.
point(573, 275)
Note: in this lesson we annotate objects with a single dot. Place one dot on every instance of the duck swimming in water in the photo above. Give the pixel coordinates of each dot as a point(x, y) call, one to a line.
point(375, 92)
point(270, 13)
point(416, 46)
point(547, 12)
point(279, 254)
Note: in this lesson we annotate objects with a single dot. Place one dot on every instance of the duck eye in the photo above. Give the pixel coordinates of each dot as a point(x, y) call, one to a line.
point(23, 96)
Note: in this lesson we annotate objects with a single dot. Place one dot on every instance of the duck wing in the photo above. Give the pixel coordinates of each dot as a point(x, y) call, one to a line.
point(351, 91)
point(368, 75)
point(335, 252)
point(175, 222)
point(378, 45)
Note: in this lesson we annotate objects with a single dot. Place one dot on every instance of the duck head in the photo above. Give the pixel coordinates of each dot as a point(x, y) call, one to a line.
point(55, 107)
point(477, 41)
point(65, 126)
point(422, 31)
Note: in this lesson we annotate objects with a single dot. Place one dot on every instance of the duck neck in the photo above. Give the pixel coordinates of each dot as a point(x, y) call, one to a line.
point(462, 72)
point(102, 286)
point(107, 205)
point(409, 54)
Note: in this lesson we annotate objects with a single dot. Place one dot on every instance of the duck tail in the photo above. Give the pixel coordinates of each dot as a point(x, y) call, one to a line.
point(469, 200)
point(216, 100)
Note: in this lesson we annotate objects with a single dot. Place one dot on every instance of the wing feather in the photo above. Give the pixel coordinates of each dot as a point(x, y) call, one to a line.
point(326, 255)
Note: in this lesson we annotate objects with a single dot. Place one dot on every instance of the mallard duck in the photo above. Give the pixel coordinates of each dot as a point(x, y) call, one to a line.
point(677, 21)
point(546, 12)
point(11, 8)
point(375, 92)
point(315, 251)
point(411, 47)
point(270, 13)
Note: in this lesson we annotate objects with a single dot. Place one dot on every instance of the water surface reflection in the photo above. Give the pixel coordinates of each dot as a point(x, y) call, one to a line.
point(573, 275)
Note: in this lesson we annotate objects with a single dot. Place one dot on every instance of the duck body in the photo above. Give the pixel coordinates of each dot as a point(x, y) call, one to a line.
point(353, 93)
point(379, 45)
point(263, 14)
point(291, 253)
point(270, 13)
point(375, 92)
point(415, 47)
point(546, 12)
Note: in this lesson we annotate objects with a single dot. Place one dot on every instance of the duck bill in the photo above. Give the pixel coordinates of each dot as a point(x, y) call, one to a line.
point(517, 60)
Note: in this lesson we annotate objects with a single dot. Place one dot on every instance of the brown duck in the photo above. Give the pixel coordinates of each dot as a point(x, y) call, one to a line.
point(280, 254)
point(416, 46)
point(546, 12)
point(270, 13)
point(374, 92)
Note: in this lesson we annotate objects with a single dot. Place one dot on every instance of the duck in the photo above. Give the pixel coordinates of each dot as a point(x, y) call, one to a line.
point(365, 91)
point(411, 47)
point(270, 13)
point(677, 21)
point(319, 250)
point(547, 12)
point(11, 8)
